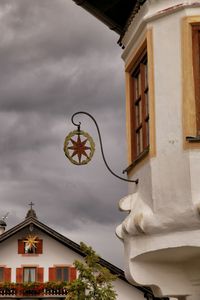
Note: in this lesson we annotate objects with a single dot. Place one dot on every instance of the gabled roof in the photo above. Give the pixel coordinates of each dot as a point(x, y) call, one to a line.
point(114, 13)
point(32, 221)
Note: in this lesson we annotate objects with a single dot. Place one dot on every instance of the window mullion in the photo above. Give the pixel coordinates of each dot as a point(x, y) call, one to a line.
point(139, 116)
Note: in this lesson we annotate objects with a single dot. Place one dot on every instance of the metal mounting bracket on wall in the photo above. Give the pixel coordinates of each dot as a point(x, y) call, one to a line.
point(79, 146)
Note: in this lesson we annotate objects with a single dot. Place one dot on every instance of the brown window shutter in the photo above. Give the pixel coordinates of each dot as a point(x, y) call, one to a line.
point(40, 274)
point(72, 273)
point(39, 248)
point(20, 247)
point(7, 274)
point(19, 275)
point(52, 274)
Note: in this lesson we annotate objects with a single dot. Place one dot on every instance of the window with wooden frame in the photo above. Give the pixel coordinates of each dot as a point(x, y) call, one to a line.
point(29, 274)
point(62, 273)
point(140, 107)
point(196, 70)
point(24, 248)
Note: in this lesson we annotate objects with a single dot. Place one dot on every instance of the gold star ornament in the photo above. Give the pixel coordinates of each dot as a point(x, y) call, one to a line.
point(79, 147)
point(31, 242)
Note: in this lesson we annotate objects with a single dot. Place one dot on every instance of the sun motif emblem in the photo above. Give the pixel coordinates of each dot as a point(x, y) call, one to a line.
point(31, 242)
point(79, 147)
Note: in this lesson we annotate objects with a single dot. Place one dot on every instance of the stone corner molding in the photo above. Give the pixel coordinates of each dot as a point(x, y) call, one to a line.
point(134, 224)
point(143, 220)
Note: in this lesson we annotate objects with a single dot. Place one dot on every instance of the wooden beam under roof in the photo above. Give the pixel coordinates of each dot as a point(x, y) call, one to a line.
point(114, 13)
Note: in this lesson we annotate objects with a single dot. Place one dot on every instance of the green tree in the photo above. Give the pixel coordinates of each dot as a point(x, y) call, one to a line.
point(94, 281)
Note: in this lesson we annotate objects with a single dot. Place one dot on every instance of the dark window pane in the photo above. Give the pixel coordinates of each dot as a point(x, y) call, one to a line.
point(141, 140)
point(140, 112)
point(146, 75)
point(59, 274)
point(1, 274)
point(29, 274)
point(138, 143)
point(65, 274)
point(62, 274)
point(146, 103)
point(196, 70)
point(147, 133)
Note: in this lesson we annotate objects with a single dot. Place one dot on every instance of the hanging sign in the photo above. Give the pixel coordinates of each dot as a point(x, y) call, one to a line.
point(79, 147)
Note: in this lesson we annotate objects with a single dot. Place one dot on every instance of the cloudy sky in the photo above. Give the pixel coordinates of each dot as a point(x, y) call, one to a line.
point(57, 59)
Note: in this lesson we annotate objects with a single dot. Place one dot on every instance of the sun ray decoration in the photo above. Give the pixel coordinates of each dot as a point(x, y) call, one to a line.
point(79, 147)
point(31, 242)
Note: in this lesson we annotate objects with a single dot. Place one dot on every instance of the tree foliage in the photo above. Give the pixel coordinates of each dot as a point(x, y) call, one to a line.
point(94, 281)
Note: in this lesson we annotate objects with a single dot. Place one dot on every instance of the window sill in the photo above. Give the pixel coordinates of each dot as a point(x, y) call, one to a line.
point(30, 254)
point(193, 139)
point(137, 160)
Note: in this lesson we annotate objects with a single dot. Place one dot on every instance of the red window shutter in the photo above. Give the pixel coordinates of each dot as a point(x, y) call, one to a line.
point(7, 274)
point(40, 274)
point(39, 247)
point(19, 275)
point(72, 273)
point(52, 274)
point(20, 247)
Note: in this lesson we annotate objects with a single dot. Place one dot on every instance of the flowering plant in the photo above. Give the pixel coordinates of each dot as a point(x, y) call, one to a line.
point(33, 288)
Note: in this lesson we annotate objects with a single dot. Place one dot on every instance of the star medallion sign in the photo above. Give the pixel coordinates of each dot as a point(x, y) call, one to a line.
point(79, 147)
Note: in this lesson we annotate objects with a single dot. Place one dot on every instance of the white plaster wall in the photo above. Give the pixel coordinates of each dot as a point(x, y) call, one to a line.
point(54, 253)
point(194, 173)
point(145, 183)
point(169, 182)
point(127, 291)
point(170, 169)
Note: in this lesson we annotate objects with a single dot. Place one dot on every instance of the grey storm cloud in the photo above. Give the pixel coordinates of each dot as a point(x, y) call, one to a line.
point(44, 54)
point(24, 132)
point(57, 59)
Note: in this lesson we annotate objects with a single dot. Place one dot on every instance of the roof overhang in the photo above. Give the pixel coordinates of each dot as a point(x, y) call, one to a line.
point(114, 13)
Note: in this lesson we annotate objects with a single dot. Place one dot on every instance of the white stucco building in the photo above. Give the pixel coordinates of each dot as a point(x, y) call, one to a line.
point(35, 253)
point(161, 53)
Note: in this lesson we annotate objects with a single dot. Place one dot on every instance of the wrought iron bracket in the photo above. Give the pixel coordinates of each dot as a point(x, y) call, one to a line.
point(78, 125)
point(193, 139)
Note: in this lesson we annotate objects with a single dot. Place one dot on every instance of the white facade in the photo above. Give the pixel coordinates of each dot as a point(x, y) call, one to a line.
point(161, 232)
point(56, 251)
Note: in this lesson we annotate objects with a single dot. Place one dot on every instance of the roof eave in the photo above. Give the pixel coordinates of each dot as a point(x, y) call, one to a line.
point(100, 15)
point(136, 8)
